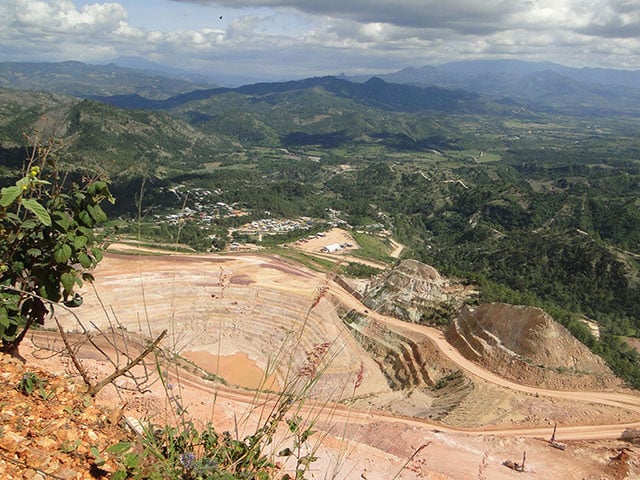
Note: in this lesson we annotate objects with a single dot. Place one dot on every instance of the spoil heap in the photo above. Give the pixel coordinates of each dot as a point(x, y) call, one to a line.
point(526, 345)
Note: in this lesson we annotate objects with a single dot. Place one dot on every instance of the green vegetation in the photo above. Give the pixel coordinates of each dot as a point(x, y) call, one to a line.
point(371, 247)
point(359, 270)
point(536, 208)
point(79, 79)
point(31, 382)
point(318, 264)
point(48, 243)
point(188, 453)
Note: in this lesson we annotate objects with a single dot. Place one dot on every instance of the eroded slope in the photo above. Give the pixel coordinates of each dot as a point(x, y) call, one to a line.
point(526, 345)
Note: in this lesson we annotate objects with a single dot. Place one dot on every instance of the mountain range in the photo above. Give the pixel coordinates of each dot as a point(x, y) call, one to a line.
point(541, 86)
point(82, 80)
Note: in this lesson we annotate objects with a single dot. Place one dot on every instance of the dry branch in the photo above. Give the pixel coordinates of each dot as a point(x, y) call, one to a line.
point(121, 371)
point(74, 358)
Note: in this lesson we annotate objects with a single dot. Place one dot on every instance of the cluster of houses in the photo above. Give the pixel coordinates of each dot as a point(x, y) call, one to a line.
point(275, 226)
point(204, 209)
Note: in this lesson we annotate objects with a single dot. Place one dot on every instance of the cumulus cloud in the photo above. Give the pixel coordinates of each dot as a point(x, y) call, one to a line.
point(286, 38)
point(615, 17)
point(575, 32)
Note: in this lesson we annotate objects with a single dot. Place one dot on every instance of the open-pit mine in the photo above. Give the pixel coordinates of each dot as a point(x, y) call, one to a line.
point(473, 393)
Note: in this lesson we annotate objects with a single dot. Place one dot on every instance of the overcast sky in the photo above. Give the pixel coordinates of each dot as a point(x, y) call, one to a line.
point(284, 39)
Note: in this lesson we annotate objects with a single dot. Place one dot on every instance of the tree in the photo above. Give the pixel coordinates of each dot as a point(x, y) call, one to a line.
point(48, 241)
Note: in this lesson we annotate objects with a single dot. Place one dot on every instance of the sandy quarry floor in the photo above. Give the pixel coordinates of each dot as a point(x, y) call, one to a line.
point(344, 238)
point(149, 293)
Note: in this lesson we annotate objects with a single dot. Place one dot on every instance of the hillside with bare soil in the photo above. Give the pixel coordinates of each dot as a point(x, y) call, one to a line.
point(233, 314)
point(416, 292)
point(526, 345)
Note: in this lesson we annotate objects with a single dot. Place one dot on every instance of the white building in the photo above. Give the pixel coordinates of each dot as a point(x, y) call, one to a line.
point(332, 248)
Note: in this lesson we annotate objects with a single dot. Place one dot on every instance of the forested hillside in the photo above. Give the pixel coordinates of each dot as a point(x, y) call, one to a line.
point(81, 80)
point(534, 208)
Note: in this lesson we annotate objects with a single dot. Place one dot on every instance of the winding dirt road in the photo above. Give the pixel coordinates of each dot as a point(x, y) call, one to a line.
point(409, 430)
point(630, 402)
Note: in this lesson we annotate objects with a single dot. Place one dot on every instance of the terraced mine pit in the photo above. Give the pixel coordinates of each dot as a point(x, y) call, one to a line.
point(256, 320)
point(256, 307)
point(250, 317)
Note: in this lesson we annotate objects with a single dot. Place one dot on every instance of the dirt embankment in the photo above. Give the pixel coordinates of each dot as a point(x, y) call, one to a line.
point(526, 345)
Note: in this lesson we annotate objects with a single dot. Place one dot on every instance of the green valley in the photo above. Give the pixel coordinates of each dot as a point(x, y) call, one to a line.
point(534, 207)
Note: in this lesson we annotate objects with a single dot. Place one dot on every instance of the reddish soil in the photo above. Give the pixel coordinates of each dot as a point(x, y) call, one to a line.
point(503, 418)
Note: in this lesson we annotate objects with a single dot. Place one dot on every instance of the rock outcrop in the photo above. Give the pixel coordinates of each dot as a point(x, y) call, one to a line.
point(415, 292)
point(427, 384)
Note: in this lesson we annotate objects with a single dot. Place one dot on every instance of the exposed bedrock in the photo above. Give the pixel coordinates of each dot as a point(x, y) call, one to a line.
point(416, 292)
point(427, 383)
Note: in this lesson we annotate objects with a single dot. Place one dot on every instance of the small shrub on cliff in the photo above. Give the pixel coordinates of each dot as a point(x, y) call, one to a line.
point(48, 242)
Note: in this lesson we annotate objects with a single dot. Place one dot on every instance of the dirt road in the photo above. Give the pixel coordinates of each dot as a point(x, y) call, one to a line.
point(391, 439)
point(630, 402)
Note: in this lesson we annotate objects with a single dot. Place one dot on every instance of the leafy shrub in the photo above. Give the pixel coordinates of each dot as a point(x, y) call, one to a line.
point(48, 241)
point(360, 270)
point(29, 382)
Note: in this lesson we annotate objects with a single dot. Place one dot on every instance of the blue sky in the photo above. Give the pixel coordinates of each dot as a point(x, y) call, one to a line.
point(282, 39)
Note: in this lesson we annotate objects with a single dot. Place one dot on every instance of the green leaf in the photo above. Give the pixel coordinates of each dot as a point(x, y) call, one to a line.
point(80, 242)
point(99, 461)
point(40, 182)
point(50, 289)
point(34, 252)
point(97, 254)
point(68, 281)
point(120, 475)
point(62, 253)
point(306, 434)
point(86, 219)
point(119, 448)
point(97, 213)
point(79, 197)
point(62, 220)
point(84, 260)
point(29, 225)
point(8, 195)
point(131, 460)
point(4, 317)
point(287, 452)
point(307, 460)
point(38, 210)
point(96, 187)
